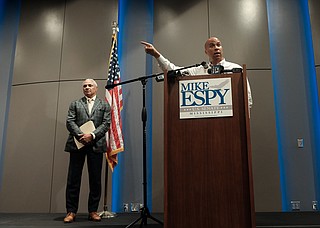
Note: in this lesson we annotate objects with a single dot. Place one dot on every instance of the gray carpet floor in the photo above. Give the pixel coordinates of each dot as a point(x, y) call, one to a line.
point(263, 220)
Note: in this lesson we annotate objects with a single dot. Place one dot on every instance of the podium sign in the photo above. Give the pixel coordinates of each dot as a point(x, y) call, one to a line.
point(205, 98)
point(207, 161)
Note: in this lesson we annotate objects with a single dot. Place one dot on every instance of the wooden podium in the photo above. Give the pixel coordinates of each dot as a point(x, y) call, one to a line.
point(207, 162)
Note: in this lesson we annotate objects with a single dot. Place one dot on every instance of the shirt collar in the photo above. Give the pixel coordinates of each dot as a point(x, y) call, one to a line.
point(92, 98)
point(222, 62)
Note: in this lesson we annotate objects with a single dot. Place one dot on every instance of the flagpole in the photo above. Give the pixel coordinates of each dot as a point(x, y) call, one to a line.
point(105, 213)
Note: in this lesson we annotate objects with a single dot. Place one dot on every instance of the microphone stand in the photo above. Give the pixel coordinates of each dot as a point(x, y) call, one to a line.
point(177, 72)
point(145, 213)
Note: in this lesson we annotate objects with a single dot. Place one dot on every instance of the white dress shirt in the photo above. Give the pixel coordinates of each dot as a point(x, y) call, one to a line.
point(165, 64)
point(90, 102)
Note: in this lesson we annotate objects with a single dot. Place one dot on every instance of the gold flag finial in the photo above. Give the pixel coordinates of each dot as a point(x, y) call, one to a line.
point(115, 27)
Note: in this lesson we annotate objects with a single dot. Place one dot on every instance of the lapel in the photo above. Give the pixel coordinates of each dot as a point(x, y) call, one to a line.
point(95, 105)
point(84, 102)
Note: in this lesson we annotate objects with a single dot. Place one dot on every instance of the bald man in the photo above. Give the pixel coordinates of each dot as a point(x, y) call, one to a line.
point(87, 108)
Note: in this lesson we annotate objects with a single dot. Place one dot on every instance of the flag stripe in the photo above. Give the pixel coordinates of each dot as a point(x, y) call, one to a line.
point(113, 96)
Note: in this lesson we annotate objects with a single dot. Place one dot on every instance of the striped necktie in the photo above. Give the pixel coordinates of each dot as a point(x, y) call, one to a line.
point(90, 104)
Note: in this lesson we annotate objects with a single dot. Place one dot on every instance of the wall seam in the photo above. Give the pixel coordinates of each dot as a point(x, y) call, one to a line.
point(57, 108)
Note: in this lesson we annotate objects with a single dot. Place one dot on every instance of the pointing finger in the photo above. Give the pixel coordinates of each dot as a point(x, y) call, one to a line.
point(146, 43)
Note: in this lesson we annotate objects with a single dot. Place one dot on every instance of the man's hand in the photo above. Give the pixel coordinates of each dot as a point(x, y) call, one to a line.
point(85, 138)
point(150, 49)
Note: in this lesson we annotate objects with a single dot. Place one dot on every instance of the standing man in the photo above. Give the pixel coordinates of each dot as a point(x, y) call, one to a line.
point(213, 49)
point(88, 108)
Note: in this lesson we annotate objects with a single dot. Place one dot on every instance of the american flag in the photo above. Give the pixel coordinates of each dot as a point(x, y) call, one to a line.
point(113, 96)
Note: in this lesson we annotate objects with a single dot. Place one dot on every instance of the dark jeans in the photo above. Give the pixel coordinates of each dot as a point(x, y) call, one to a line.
point(94, 164)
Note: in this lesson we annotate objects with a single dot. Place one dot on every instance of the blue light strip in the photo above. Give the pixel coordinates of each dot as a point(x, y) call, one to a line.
point(2, 6)
point(312, 89)
point(117, 193)
point(273, 54)
point(9, 15)
point(149, 108)
point(276, 34)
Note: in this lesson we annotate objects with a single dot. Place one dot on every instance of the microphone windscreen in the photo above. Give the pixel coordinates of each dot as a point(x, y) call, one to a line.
point(204, 64)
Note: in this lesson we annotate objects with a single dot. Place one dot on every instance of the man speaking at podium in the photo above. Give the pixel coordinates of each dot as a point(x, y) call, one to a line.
point(213, 49)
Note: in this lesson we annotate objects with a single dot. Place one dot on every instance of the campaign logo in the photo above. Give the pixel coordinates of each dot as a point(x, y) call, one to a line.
point(205, 98)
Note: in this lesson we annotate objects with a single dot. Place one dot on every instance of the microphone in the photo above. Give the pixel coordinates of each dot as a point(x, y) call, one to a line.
point(160, 78)
point(177, 72)
point(233, 70)
point(204, 64)
point(216, 69)
point(171, 73)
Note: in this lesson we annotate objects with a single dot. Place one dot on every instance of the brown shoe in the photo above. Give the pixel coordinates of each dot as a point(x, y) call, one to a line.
point(93, 216)
point(71, 217)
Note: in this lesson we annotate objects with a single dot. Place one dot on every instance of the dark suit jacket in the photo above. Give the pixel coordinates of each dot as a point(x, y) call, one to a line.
point(78, 114)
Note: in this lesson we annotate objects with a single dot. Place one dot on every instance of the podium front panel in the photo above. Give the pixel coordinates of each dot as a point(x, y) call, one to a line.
point(208, 180)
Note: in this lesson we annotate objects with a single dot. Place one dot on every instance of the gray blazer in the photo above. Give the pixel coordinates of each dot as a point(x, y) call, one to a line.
point(78, 114)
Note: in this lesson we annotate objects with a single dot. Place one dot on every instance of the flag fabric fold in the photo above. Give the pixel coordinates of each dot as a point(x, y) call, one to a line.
point(113, 96)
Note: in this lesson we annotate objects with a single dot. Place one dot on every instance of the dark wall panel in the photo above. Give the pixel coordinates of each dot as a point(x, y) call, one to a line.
point(39, 41)
point(29, 151)
point(314, 6)
point(263, 141)
point(242, 27)
point(67, 40)
point(87, 38)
